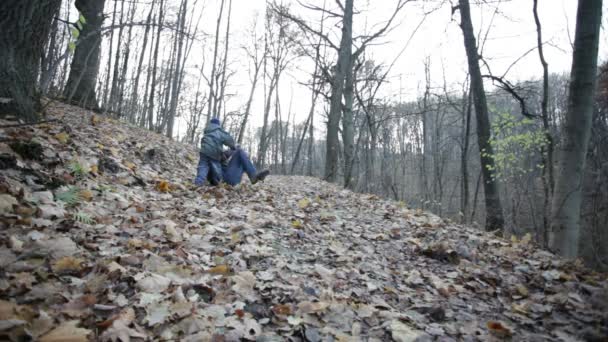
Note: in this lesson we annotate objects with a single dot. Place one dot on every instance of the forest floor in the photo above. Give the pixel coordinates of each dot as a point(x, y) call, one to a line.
point(104, 238)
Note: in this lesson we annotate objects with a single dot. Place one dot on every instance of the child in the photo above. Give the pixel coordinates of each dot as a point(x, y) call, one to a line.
point(212, 142)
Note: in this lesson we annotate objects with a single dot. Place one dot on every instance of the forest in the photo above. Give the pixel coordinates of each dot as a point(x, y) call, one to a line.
point(510, 155)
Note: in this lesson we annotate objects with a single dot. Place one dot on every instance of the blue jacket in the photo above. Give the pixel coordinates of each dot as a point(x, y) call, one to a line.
point(213, 140)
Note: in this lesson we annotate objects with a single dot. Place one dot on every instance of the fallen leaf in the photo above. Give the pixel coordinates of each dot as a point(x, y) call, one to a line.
point(499, 329)
point(62, 137)
point(67, 332)
point(304, 203)
point(163, 186)
point(68, 265)
point(281, 309)
point(219, 269)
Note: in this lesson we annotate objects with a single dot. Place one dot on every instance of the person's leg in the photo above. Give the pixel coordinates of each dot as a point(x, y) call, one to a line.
point(239, 164)
point(215, 172)
point(201, 171)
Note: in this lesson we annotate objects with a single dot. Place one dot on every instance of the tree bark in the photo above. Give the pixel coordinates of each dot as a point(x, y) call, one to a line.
point(178, 70)
point(494, 216)
point(116, 74)
point(24, 30)
point(212, 96)
point(154, 67)
point(225, 63)
point(565, 224)
point(135, 92)
point(109, 66)
point(85, 63)
point(547, 158)
point(337, 90)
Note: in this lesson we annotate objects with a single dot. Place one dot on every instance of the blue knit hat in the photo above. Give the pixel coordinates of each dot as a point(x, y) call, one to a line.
point(215, 121)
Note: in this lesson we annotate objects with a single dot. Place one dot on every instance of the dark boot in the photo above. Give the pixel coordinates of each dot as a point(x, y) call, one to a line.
point(260, 176)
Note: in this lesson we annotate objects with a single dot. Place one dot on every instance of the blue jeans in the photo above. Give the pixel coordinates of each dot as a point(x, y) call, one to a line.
point(239, 164)
point(208, 169)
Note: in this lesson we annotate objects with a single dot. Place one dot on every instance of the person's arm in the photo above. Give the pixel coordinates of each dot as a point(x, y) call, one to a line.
point(229, 141)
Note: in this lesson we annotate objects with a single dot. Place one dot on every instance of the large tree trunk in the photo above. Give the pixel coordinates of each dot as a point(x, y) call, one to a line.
point(85, 63)
point(24, 29)
point(337, 89)
point(565, 223)
point(494, 217)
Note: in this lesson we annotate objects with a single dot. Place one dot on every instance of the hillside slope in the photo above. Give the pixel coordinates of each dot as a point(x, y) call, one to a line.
point(104, 239)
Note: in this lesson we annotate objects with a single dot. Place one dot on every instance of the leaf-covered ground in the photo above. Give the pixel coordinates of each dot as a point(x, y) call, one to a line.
point(103, 238)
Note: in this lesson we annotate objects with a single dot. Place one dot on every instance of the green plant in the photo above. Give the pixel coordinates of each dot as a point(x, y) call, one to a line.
point(71, 196)
point(78, 170)
point(75, 32)
point(83, 217)
point(517, 143)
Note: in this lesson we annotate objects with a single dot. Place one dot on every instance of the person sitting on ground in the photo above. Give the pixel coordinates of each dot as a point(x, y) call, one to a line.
point(234, 164)
point(212, 143)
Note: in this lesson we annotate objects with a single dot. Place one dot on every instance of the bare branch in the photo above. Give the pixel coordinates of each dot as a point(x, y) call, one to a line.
point(380, 32)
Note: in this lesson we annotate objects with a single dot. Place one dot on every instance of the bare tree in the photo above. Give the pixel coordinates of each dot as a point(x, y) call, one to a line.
point(256, 58)
point(212, 96)
point(494, 215)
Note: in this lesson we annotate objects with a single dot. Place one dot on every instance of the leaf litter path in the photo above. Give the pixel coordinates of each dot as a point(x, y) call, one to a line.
point(104, 239)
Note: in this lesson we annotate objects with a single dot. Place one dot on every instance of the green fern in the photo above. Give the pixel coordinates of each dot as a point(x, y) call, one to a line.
point(70, 197)
point(78, 170)
point(83, 217)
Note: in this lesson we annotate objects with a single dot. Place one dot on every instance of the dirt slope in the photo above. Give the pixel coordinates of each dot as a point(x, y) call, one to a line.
point(103, 239)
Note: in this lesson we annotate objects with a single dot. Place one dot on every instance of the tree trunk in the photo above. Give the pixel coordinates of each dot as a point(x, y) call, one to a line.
point(565, 223)
point(494, 216)
point(24, 30)
point(212, 97)
point(249, 101)
point(337, 89)
point(464, 161)
point(154, 67)
point(225, 68)
point(178, 70)
point(109, 66)
point(85, 63)
point(547, 158)
point(135, 92)
point(125, 67)
point(50, 59)
point(115, 77)
point(348, 128)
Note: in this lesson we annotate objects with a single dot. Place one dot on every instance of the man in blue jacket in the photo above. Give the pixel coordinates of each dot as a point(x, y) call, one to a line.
point(211, 155)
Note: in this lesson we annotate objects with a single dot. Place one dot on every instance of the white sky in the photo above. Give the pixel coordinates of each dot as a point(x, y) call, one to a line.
point(510, 33)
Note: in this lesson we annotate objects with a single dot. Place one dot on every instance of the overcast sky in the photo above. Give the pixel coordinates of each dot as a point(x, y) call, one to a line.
point(507, 28)
point(510, 31)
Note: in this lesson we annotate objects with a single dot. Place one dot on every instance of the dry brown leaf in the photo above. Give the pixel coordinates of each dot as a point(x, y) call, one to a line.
point(219, 269)
point(62, 137)
point(281, 309)
point(163, 186)
point(499, 329)
point(68, 264)
point(86, 195)
point(67, 332)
